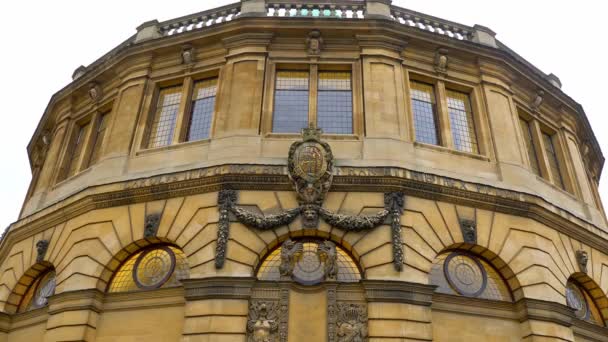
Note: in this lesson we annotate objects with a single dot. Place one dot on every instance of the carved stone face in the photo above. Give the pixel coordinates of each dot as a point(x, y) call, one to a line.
point(310, 216)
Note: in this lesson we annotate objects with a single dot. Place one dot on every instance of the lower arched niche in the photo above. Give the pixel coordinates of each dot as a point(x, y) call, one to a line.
point(308, 287)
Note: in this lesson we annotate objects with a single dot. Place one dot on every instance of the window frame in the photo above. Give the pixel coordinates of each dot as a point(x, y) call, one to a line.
point(90, 118)
point(313, 68)
point(538, 128)
point(182, 120)
point(444, 127)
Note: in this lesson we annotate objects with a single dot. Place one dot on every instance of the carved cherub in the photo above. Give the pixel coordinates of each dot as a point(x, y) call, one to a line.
point(328, 255)
point(263, 322)
point(290, 254)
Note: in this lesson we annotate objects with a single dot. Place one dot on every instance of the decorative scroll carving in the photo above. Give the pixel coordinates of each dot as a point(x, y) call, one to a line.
point(290, 253)
point(441, 61)
point(151, 226)
point(332, 313)
point(352, 322)
point(394, 203)
point(469, 230)
point(41, 247)
point(310, 167)
point(326, 251)
point(310, 170)
point(263, 322)
point(264, 222)
point(353, 223)
point(225, 199)
point(582, 258)
point(283, 314)
point(314, 42)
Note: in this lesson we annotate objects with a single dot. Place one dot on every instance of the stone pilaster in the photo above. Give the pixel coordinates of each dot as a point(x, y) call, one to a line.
point(73, 316)
point(544, 321)
point(216, 309)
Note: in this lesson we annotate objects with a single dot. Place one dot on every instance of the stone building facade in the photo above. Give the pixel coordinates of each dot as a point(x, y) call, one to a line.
point(309, 171)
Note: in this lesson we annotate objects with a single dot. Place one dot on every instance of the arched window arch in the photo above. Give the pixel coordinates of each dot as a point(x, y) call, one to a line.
point(579, 299)
point(154, 267)
point(464, 274)
point(310, 261)
point(37, 294)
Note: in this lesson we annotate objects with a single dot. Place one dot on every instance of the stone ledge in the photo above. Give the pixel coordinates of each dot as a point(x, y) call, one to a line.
point(398, 292)
point(218, 288)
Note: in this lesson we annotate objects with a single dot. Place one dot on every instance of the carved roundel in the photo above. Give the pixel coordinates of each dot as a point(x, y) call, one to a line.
point(466, 275)
point(309, 161)
point(154, 267)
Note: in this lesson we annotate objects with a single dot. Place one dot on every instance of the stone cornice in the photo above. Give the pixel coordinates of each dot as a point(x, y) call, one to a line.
point(591, 332)
point(274, 177)
point(540, 310)
point(91, 299)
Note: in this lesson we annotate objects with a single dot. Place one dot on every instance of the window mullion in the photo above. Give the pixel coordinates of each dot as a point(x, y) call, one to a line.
point(539, 145)
point(89, 141)
point(445, 132)
point(312, 98)
point(183, 112)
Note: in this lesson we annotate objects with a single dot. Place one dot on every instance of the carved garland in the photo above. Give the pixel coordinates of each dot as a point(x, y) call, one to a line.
point(310, 167)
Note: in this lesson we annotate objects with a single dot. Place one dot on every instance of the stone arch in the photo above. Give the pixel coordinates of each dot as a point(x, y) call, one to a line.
point(493, 260)
point(311, 234)
point(124, 254)
point(24, 283)
point(595, 291)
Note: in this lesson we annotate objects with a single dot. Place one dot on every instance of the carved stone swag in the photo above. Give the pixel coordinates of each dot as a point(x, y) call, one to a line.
point(310, 167)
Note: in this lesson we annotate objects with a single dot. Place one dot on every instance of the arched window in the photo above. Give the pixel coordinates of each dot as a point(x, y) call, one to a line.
point(309, 263)
point(38, 292)
point(152, 268)
point(459, 273)
point(578, 298)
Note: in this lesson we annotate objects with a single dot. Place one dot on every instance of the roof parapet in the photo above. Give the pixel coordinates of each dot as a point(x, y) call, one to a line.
point(484, 35)
point(253, 8)
point(81, 70)
point(147, 31)
point(553, 79)
point(378, 9)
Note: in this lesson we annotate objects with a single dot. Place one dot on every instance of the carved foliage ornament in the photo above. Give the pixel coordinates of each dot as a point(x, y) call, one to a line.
point(151, 225)
point(310, 167)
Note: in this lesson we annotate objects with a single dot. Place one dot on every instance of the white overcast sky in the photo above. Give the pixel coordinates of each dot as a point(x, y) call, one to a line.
point(44, 41)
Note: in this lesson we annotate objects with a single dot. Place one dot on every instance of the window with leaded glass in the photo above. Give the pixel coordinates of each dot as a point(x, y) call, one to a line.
point(462, 122)
point(155, 267)
point(74, 153)
point(290, 101)
point(38, 292)
point(526, 130)
point(203, 103)
point(335, 102)
point(98, 138)
point(554, 167)
point(424, 110)
point(463, 274)
point(163, 122)
point(579, 299)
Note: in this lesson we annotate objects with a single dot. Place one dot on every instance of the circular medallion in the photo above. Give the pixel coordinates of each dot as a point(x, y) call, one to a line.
point(576, 300)
point(154, 267)
point(466, 275)
point(310, 162)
